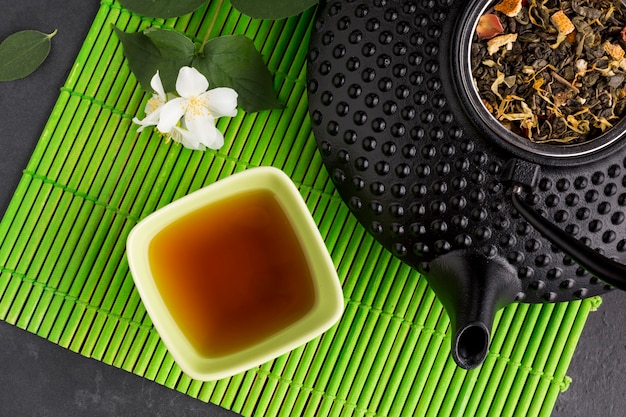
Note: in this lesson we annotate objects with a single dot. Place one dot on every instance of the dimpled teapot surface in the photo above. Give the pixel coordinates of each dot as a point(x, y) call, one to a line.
point(440, 185)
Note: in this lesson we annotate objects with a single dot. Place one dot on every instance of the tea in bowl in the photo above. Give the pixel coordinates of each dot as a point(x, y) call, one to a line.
point(235, 274)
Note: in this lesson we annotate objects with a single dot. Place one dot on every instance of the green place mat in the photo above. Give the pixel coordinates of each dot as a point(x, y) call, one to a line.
point(64, 275)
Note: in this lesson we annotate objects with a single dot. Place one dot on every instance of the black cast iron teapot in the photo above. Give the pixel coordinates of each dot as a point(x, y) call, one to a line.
point(487, 218)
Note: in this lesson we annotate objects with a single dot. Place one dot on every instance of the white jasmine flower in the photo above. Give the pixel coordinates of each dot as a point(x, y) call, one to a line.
point(154, 105)
point(190, 118)
point(196, 109)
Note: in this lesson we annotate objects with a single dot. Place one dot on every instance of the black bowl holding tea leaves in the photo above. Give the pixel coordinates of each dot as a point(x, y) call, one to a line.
point(552, 72)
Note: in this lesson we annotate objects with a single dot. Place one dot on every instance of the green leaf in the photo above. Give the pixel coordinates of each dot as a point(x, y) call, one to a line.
point(156, 49)
point(22, 53)
point(162, 8)
point(171, 43)
point(233, 61)
point(272, 9)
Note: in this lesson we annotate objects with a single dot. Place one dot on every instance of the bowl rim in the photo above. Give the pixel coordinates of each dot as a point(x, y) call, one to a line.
point(325, 312)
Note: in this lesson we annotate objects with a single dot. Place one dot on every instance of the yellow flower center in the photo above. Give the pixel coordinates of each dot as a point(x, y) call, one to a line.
point(154, 103)
point(197, 106)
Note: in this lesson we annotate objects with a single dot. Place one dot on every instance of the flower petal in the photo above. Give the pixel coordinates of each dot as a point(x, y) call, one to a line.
point(212, 138)
point(218, 140)
point(157, 85)
point(202, 127)
point(151, 119)
point(154, 103)
point(222, 101)
point(190, 82)
point(186, 138)
point(171, 112)
point(142, 126)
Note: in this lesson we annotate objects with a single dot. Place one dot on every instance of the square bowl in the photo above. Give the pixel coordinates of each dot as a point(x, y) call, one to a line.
point(235, 274)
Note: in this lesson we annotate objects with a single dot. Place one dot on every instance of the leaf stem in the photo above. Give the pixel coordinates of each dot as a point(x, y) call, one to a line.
point(211, 25)
point(51, 35)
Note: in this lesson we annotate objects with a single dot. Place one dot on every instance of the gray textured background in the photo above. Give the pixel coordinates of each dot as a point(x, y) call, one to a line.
point(41, 379)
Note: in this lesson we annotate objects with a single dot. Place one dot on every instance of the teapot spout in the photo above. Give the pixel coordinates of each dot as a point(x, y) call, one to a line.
point(472, 288)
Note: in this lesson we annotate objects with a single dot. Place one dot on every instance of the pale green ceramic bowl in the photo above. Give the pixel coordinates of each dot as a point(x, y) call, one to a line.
point(328, 304)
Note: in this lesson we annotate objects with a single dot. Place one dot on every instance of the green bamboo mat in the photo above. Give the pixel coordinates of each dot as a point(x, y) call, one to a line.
point(64, 276)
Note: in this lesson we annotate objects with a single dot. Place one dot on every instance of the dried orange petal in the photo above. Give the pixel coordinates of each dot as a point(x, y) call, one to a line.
point(562, 22)
point(510, 8)
point(616, 51)
point(503, 40)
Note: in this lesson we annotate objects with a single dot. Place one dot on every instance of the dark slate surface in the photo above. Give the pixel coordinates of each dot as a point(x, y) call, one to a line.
point(41, 379)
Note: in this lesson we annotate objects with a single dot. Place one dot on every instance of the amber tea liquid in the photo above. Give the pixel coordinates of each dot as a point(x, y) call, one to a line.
point(232, 273)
